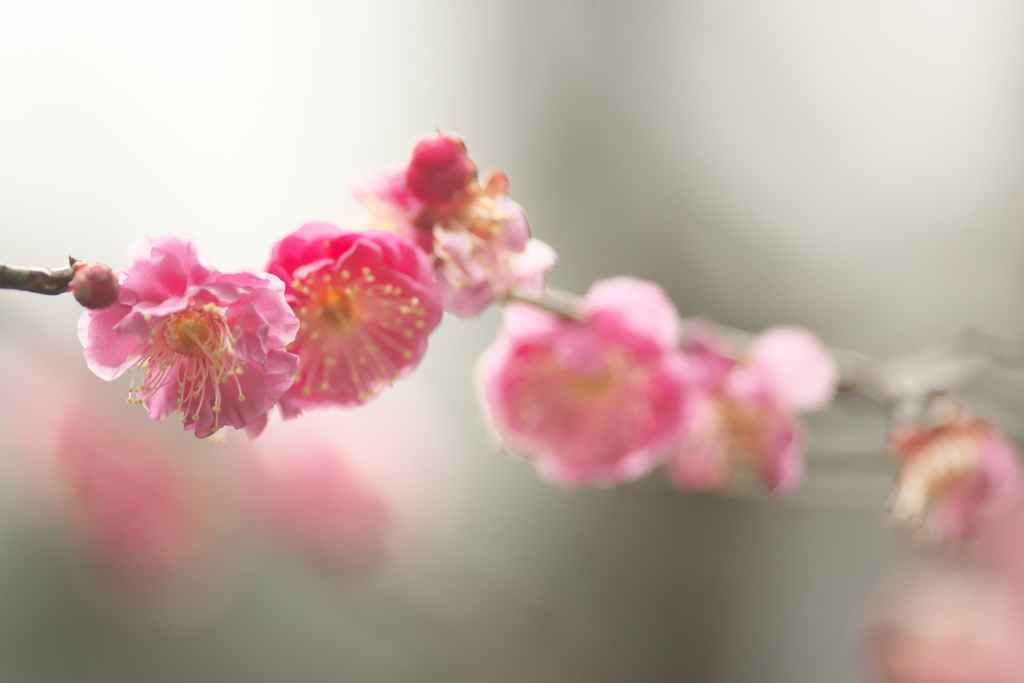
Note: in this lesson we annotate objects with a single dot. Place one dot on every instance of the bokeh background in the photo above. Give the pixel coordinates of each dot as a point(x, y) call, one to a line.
point(855, 167)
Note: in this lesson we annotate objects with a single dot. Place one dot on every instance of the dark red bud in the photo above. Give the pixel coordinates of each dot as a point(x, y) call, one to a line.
point(94, 285)
point(439, 169)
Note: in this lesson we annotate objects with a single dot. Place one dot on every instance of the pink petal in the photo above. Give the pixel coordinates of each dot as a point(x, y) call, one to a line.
point(636, 305)
point(801, 369)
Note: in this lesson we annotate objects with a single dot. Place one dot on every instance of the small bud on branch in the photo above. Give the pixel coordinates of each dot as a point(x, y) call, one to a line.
point(94, 285)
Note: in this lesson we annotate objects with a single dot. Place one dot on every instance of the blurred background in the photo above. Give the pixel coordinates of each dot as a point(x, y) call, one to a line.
point(854, 167)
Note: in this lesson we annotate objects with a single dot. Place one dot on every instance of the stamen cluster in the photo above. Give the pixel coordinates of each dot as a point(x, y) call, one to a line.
point(478, 239)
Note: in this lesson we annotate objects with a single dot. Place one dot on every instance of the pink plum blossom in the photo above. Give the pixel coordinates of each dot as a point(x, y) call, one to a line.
point(366, 302)
point(954, 478)
point(747, 410)
point(591, 401)
point(203, 343)
point(479, 239)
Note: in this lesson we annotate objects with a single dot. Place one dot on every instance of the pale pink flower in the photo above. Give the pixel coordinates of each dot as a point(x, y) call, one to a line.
point(141, 512)
point(473, 268)
point(947, 624)
point(954, 478)
point(591, 402)
point(366, 302)
point(309, 496)
point(746, 411)
point(352, 491)
point(478, 238)
point(206, 344)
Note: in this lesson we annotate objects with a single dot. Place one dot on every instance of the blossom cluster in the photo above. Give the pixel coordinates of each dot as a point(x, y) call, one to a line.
point(336, 315)
point(606, 398)
point(595, 392)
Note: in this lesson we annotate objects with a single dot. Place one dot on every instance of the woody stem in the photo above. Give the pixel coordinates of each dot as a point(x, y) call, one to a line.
point(39, 280)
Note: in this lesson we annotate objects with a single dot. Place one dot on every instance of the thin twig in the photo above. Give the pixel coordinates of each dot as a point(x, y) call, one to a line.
point(39, 280)
point(937, 367)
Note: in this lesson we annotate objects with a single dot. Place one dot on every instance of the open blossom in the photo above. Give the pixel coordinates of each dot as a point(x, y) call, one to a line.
point(591, 402)
point(203, 343)
point(954, 477)
point(746, 411)
point(478, 238)
point(366, 302)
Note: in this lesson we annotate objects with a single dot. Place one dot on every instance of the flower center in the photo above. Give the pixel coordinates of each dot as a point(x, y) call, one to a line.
point(193, 348)
point(337, 308)
point(745, 427)
point(190, 333)
point(927, 474)
point(355, 333)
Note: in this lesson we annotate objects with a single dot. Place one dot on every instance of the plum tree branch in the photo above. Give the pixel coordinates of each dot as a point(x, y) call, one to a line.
point(39, 280)
point(936, 367)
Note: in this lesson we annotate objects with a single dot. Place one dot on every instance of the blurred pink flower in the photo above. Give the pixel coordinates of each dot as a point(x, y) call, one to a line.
point(478, 238)
point(208, 345)
point(349, 491)
point(145, 511)
point(366, 302)
point(140, 510)
point(747, 410)
point(947, 625)
point(954, 478)
point(592, 402)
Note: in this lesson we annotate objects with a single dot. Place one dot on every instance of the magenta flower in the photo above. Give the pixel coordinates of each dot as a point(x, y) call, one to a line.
point(479, 239)
point(954, 478)
point(206, 344)
point(439, 169)
point(747, 411)
point(366, 302)
point(591, 402)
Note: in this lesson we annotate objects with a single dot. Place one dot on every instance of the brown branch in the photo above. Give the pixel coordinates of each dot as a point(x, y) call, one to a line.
point(39, 280)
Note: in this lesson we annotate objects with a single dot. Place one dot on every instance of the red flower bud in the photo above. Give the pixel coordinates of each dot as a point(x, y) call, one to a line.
point(94, 285)
point(439, 169)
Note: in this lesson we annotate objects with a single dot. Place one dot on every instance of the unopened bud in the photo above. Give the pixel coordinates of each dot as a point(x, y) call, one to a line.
point(94, 285)
point(439, 169)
